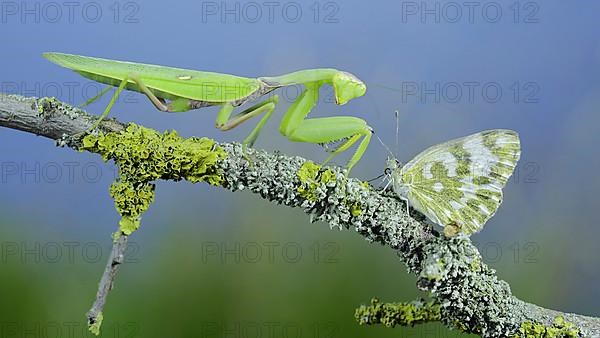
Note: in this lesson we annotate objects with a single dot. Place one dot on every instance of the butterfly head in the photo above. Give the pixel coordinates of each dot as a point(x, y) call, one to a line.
point(392, 169)
point(392, 164)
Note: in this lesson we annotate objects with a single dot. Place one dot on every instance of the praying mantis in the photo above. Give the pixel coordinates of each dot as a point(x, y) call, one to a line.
point(178, 90)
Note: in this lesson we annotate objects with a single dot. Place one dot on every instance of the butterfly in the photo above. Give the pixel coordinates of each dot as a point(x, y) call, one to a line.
point(458, 184)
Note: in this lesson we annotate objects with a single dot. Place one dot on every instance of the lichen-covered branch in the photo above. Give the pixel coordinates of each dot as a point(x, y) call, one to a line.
point(403, 314)
point(470, 296)
point(117, 256)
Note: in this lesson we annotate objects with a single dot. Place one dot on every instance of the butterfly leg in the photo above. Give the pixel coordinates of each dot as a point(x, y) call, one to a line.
point(407, 206)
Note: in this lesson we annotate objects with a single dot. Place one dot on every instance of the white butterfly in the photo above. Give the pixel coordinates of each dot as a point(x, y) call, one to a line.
point(458, 184)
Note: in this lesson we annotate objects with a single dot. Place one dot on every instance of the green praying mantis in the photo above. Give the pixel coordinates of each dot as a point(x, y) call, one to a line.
point(178, 90)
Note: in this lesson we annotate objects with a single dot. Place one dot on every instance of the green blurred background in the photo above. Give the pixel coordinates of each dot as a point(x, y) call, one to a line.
point(242, 275)
point(211, 263)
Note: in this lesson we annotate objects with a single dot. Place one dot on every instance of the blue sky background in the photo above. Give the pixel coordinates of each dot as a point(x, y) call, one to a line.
point(533, 66)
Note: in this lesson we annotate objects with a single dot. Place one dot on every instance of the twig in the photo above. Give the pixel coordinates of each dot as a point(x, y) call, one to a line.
point(32, 116)
point(117, 256)
point(470, 295)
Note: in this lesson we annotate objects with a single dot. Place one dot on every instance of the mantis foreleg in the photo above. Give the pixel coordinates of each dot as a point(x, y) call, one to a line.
point(324, 130)
point(363, 130)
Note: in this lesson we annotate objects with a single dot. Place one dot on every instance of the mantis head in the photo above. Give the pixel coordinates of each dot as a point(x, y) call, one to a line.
point(346, 87)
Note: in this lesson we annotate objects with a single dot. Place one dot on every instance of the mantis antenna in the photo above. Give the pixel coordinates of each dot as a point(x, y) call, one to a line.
point(388, 172)
point(385, 146)
point(391, 153)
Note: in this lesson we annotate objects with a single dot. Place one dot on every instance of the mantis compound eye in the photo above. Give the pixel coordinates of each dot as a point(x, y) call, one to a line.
point(347, 87)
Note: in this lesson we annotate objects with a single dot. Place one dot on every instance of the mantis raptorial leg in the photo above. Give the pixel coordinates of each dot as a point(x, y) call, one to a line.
point(296, 127)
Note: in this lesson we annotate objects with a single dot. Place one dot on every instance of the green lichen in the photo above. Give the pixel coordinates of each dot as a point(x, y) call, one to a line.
point(460, 325)
point(475, 265)
point(116, 236)
point(311, 178)
point(315, 184)
point(366, 185)
point(95, 327)
point(144, 155)
point(403, 314)
point(132, 199)
point(355, 209)
point(560, 328)
point(308, 171)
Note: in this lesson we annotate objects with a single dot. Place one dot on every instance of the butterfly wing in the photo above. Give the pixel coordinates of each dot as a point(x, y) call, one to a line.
point(459, 183)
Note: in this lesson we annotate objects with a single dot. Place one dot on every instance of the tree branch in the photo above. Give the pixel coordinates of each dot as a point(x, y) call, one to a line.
point(117, 256)
point(470, 296)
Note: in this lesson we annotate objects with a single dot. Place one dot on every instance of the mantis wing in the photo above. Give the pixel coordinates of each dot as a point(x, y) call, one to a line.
point(165, 82)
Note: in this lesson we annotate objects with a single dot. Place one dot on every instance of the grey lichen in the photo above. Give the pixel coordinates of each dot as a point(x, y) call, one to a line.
point(467, 289)
point(47, 106)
